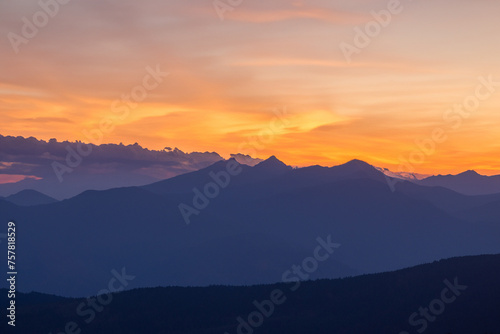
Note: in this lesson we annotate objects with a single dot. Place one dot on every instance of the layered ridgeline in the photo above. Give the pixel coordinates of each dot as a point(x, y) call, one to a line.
point(469, 183)
point(238, 225)
point(458, 296)
point(29, 197)
point(65, 169)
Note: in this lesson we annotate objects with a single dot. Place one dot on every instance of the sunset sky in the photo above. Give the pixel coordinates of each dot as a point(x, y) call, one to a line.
point(226, 76)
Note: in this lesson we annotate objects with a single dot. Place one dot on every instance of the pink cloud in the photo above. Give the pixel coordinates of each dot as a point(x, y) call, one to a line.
point(8, 178)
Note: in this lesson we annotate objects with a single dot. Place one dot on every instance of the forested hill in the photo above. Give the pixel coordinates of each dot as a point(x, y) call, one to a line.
point(458, 295)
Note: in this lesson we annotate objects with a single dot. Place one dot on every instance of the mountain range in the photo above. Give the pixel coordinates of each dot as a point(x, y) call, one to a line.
point(65, 169)
point(234, 224)
point(468, 183)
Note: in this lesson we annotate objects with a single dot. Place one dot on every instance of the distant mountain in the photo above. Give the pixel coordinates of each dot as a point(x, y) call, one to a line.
point(468, 183)
point(62, 170)
point(488, 212)
point(253, 181)
point(246, 159)
point(30, 197)
point(66, 169)
point(236, 224)
point(402, 175)
point(273, 165)
point(445, 199)
point(186, 182)
point(458, 295)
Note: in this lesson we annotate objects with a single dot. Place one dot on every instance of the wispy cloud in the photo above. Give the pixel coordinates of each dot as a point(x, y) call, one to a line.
point(225, 75)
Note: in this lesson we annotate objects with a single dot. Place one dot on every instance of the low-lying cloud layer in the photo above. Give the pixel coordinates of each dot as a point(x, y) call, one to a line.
point(57, 168)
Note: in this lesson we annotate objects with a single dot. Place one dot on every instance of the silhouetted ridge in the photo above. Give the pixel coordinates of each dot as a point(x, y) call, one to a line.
point(272, 162)
point(30, 197)
point(239, 218)
point(272, 165)
point(186, 182)
point(358, 169)
point(469, 173)
point(469, 183)
point(359, 164)
point(376, 304)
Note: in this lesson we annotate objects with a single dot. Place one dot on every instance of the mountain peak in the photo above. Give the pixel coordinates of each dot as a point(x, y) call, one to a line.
point(273, 163)
point(358, 168)
point(273, 158)
point(30, 197)
point(355, 163)
point(470, 173)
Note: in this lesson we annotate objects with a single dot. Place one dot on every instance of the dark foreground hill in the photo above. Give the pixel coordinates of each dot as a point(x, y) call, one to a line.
point(458, 296)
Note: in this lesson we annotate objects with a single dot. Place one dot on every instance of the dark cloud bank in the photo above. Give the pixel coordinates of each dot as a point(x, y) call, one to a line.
point(65, 169)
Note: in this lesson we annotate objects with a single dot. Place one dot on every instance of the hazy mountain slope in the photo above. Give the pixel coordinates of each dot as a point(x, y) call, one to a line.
point(30, 197)
point(269, 215)
point(186, 182)
point(444, 198)
point(468, 183)
point(489, 212)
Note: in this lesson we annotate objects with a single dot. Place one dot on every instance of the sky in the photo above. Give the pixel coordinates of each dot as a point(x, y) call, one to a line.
point(418, 92)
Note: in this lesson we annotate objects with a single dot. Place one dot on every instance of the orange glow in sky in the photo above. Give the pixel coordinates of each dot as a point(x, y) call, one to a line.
point(89, 75)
